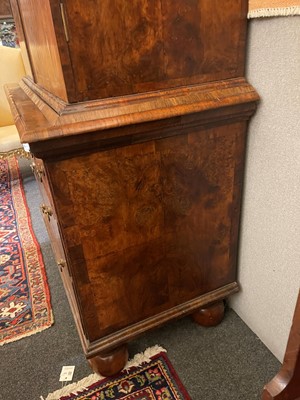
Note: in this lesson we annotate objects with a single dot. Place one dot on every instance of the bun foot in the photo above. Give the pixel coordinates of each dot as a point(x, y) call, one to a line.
point(210, 315)
point(110, 363)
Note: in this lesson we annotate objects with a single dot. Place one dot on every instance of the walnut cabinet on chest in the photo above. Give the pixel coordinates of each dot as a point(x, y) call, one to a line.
point(136, 113)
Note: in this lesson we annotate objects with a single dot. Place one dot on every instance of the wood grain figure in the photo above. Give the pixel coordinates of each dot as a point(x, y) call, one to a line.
point(5, 9)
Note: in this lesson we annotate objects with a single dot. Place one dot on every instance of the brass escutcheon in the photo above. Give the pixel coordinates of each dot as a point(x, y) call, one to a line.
point(47, 211)
point(61, 264)
point(39, 172)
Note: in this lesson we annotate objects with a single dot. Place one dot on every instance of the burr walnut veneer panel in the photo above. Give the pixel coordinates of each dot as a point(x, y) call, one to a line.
point(156, 228)
point(145, 45)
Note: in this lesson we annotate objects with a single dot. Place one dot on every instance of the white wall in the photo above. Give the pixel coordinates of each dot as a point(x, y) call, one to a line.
point(269, 261)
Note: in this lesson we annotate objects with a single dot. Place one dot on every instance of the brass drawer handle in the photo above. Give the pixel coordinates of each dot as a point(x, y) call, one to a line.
point(46, 210)
point(39, 172)
point(61, 264)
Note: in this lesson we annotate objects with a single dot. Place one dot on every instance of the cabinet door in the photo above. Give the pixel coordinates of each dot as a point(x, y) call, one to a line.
point(92, 49)
point(120, 47)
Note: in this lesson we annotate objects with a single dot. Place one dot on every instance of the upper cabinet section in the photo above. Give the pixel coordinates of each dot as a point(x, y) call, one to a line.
point(5, 10)
point(35, 22)
point(91, 49)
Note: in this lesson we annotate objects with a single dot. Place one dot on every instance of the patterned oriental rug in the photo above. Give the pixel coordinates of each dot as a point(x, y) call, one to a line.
point(149, 376)
point(24, 294)
point(273, 8)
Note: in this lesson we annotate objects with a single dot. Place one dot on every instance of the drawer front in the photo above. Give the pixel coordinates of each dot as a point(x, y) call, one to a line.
point(53, 232)
point(39, 171)
point(50, 220)
point(60, 257)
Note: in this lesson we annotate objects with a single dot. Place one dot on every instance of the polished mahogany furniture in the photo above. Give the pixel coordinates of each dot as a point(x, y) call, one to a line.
point(136, 113)
point(5, 10)
point(286, 384)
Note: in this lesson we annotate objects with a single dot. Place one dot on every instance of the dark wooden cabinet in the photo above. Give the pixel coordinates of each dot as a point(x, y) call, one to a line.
point(5, 10)
point(136, 113)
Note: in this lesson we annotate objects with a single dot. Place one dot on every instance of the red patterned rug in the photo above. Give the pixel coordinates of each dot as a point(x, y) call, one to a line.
point(154, 379)
point(24, 294)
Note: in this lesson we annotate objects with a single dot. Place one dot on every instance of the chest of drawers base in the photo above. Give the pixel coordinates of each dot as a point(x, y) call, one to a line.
point(142, 207)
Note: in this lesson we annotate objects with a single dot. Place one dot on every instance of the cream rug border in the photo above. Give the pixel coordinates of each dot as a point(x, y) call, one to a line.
point(273, 8)
point(74, 388)
point(16, 152)
point(274, 12)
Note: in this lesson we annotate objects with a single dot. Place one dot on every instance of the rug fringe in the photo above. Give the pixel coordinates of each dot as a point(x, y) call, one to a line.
point(274, 12)
point(77, 387)
point(141, 358)
point(16, 152)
